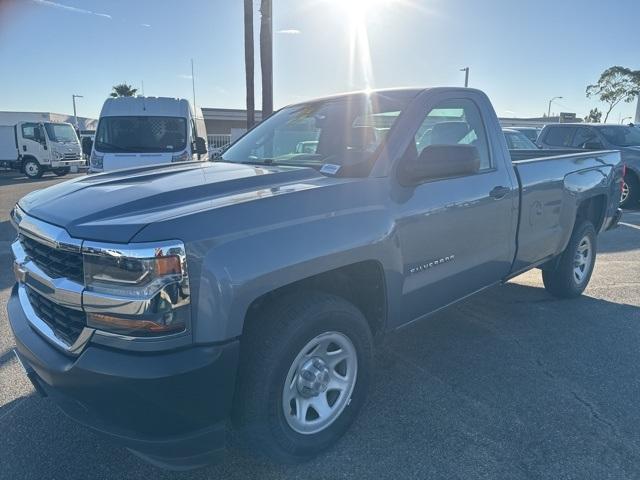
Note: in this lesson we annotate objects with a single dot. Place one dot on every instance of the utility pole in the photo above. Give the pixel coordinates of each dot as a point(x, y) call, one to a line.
point(249, 62)
point(266, 56)
point(466, 76)
point(193, 86)
point(143, 88)
point(75, 115)
point(550, 102)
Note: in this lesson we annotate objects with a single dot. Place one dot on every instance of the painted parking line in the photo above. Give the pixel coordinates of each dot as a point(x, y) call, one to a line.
point(630, 225)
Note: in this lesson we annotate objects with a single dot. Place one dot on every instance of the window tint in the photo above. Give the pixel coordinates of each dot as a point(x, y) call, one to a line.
point(583, 135)
point(559, 136)
point(455, 122)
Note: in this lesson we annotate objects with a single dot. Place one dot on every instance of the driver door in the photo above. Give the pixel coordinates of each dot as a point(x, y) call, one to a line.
point(33, 141)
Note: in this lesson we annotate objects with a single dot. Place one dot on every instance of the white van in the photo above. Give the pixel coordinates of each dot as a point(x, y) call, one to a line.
point(139, 131)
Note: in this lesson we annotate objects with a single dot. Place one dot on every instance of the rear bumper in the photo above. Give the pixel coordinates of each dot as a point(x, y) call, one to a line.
point(169, 408)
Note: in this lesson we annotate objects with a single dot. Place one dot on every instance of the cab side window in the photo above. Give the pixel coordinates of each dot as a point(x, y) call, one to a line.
point(583, 136)
point(455, 122)
point(30, 131)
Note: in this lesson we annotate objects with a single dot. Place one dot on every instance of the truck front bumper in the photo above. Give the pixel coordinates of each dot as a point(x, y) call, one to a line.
point(170, 408)
point(68, 163)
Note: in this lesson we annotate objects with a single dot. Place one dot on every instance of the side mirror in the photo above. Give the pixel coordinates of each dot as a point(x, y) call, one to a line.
point(87, 145)
point(440, 161)
point(593, 145)
point(201, 146)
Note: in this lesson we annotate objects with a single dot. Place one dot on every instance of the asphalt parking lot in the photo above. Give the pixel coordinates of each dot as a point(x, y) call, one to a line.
point(510, 384)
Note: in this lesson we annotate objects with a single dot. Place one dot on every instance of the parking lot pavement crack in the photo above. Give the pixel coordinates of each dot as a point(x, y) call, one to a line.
point(594, 412)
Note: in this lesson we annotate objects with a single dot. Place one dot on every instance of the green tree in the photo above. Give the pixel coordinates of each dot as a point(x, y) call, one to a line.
point(123, 90)
point(616, 84)
point(594, 116)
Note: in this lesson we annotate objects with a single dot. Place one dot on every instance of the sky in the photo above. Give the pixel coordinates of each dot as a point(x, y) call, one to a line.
point(521, 53)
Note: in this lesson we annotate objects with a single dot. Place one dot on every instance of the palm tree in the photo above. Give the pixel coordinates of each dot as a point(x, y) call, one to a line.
point(123, 90)
point(248, 62)
point(266, 57)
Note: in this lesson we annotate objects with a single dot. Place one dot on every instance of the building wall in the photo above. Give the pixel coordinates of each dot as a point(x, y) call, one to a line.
point(11, 118)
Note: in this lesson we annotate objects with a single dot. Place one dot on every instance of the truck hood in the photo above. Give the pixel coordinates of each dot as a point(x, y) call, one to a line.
point(113, 207)
point(117, 161)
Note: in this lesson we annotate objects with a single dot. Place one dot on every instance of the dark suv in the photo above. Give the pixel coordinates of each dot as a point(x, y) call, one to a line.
point(578, 136)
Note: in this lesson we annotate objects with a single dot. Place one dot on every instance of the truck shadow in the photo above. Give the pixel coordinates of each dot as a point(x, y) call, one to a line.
point(512, 382)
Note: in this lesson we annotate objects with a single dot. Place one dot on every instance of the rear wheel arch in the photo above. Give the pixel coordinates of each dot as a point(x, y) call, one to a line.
point(592, 209)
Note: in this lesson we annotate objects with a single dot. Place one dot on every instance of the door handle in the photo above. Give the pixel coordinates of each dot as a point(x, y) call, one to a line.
point(24, 148)
point(499, 192)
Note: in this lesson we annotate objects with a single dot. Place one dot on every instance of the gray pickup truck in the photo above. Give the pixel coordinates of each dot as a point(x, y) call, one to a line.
point(165, 306)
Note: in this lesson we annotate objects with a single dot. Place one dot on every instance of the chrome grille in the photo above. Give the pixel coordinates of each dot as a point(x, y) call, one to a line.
point(71, 156)
point(57, 263)
point(66, 323)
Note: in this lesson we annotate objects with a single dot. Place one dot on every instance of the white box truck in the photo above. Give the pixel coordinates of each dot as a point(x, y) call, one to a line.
point(140, 131)
point(37, 147)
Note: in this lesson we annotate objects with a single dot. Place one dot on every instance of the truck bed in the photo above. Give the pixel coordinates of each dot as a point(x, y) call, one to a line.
point(553, 183)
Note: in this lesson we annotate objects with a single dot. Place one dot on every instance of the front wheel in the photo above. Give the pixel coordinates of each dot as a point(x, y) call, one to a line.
point(32, 169)
point(304, 375)
point(573, 271)
point(61, 172)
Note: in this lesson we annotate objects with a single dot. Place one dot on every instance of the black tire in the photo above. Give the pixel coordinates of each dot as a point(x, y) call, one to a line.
point(270, 344)
point(61, 172)
point(32, 169)
point(563, 281)
point(633, 195)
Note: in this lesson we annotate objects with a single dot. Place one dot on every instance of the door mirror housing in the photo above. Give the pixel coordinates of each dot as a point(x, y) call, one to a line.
point(87, 145)
point(440, 161)
point(593, 145)
point(201, 146)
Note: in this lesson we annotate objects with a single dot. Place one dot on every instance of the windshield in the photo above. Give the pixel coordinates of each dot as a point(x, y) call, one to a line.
point(621, 136)
point(60, 132)
point(341, 131)
point(519, 141)
point(141, 134)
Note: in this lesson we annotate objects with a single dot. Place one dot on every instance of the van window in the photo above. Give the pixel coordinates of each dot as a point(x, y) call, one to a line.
point(141, 134)
point(559, 136)
point(455, 122)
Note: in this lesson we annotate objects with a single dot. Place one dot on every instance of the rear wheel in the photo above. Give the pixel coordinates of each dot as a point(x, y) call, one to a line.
point(304, 375)
point(630, 191)
point(61, 172)
point(573, 271)
point(32, 169)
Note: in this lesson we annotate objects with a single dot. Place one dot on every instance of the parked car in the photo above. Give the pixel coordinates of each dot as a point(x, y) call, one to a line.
point(248, 291)
point(517, 140)
point(530, 132)
point(141, 131)
point(34, 148)
point(577, 136)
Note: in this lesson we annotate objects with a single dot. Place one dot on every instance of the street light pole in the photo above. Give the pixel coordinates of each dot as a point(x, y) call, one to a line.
point(550, 102)
point(466, 76)
point(75, 115)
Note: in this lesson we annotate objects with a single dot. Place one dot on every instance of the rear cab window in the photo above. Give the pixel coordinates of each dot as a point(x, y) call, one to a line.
point(559, 136)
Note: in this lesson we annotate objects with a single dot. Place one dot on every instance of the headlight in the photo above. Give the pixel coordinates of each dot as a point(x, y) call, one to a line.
point(183, 157)
point(96, 160)
point(58, 155)
point(136, 291)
